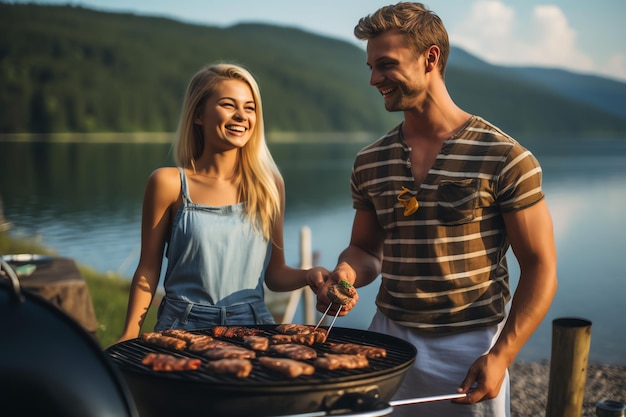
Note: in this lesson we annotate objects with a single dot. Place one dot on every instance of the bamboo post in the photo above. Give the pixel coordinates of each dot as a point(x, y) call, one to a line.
point(571, 339)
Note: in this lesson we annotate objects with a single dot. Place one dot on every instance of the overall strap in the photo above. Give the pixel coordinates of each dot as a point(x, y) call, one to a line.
point(184, 186)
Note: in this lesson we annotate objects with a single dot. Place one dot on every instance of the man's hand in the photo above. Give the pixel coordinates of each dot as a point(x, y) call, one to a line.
point(343, 272)
point(321, 283)
point(483, 380)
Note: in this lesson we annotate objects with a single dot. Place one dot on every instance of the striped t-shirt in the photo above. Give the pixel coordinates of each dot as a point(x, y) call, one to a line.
point(444, 267)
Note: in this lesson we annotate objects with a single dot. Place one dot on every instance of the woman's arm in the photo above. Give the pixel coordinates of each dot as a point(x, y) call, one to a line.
point(160, 198)
point(279, 276)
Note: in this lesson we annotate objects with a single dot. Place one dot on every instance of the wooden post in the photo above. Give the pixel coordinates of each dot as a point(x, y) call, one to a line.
point(4, 224)
point(571, 339)
point(306, 256)
point(292, 304)
point(306, 262)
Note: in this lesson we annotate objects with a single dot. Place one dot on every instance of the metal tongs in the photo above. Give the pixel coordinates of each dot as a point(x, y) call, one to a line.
point(324, 316)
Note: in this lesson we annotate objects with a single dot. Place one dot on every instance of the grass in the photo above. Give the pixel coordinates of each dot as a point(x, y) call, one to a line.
point(109, 293)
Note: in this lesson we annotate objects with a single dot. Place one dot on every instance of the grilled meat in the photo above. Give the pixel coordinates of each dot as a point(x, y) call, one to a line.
point(204, 345)
point(332, 361)
point(303, 339)
point(158, 339)
point(167, 363)
point(238, 332)
point(303, 329)
point(218, 331)
point(356, 349)
point(230, 352)
point(293, 351)
point(258, 343)
point(187, 336)
point(320, 335)
point(294, 328)
point(288, 367)
point(241, 368)
point(341, 293)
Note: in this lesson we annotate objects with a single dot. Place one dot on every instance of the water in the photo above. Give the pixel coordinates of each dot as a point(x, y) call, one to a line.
point(84, 201)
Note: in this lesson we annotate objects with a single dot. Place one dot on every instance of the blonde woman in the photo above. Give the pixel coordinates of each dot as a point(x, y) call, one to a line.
point(217, 216)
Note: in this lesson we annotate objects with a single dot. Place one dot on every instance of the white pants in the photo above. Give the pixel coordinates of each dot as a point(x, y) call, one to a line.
point(440, 366)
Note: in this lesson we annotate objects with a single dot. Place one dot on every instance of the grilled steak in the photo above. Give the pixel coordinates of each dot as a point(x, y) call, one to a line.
point(341, 293)
point(293, 329)
point(303, 339)
point(332, 361)
point(204, 345)
point(235, 331)
point(187, 336)
point(320, 335)
point(168, 363)
point(158, 339)
point(229, 352)
point(241, 368)
point(293, 351)
point(218, 331)
point(259, 343)
point(288, 367)
point(356, 349)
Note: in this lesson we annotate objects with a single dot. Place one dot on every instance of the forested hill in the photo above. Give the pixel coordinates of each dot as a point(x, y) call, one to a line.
point(72, 69)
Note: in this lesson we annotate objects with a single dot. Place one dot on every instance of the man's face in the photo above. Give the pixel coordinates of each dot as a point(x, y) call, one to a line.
point(396, 71)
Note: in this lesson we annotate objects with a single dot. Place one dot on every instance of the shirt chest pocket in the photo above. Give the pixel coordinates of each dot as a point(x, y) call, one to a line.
point(384, 198)
point(457, 201)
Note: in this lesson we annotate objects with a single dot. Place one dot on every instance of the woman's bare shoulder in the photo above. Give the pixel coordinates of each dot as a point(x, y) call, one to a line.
point(165, 175)
point(165, 180)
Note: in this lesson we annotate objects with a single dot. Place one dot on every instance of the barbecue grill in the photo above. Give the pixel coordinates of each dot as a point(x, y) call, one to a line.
point(48, 356)
point(263, 393)
point(49, 365)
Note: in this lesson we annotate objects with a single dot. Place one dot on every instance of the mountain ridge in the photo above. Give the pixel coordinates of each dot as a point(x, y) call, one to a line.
point(74, 69)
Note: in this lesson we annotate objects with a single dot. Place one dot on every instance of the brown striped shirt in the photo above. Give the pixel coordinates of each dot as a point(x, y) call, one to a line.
point(444, 267)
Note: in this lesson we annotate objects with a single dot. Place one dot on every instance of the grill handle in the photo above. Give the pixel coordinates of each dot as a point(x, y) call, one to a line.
point(409, 401)
point(364, 405)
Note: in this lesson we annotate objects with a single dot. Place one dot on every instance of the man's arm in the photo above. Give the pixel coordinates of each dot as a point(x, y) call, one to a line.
point(532, 240)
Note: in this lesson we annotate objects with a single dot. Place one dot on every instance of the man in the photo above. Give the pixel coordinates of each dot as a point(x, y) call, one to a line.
point(439, 200)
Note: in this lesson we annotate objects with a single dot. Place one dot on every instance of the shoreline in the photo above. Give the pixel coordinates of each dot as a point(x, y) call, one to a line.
point(530, 383)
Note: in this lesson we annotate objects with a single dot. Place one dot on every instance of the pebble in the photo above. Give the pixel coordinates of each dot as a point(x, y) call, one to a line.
point(530, 382)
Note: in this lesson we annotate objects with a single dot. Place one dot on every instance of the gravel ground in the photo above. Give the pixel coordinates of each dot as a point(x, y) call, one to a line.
point(530, 381)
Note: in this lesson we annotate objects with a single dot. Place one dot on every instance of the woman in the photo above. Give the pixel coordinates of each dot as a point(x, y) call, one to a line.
point(220, 212)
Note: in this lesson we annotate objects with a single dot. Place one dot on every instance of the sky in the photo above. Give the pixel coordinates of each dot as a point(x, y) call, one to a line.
point(586, 37)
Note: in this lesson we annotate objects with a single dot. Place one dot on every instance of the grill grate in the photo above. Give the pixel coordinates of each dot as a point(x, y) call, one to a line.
point(128, 355)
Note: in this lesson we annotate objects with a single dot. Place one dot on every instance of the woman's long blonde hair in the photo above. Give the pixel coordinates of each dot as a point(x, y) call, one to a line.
point(255, 171)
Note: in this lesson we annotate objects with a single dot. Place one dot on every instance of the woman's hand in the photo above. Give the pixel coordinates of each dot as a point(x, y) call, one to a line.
point(316, 277)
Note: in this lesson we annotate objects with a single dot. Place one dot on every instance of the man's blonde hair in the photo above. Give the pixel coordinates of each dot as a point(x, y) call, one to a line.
point(423, 27)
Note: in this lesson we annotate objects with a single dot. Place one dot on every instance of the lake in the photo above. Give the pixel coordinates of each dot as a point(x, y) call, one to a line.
point(84, 201)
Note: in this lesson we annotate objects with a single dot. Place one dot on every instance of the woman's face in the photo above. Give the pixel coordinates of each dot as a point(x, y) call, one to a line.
point(228, 117)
